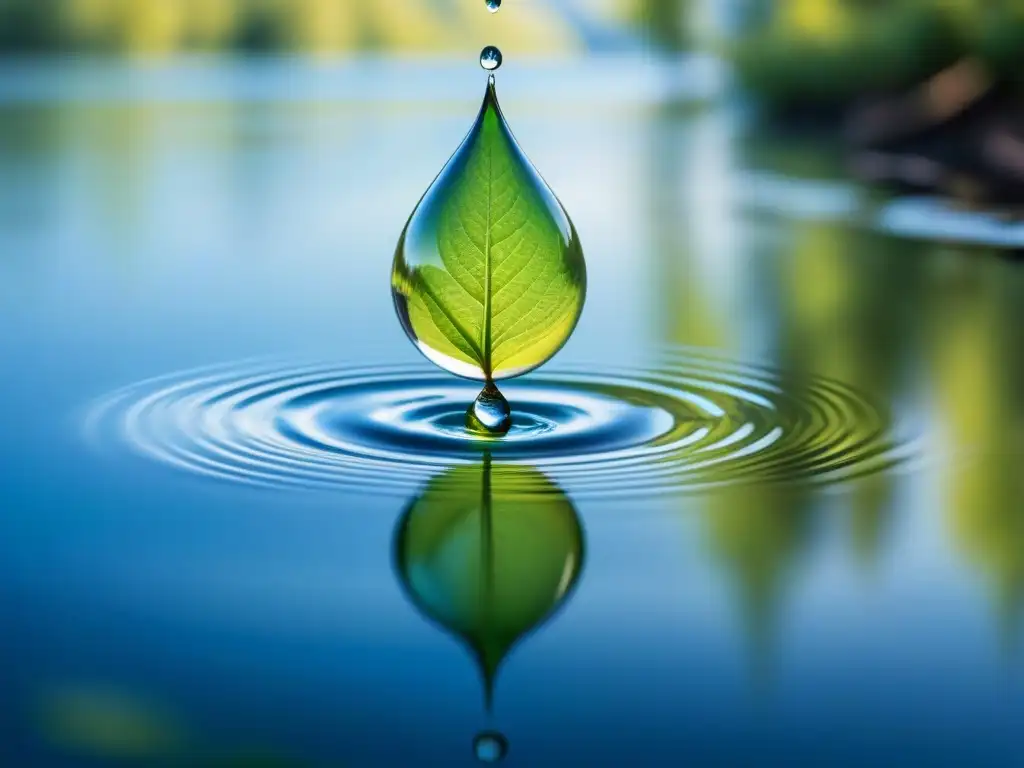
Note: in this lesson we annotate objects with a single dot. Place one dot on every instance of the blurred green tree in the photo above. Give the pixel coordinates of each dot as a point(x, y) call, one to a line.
point(665, 22)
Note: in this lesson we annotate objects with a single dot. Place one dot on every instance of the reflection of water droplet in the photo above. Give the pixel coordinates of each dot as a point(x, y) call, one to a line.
point(490, 58)
point(490, 413)
point(488, 277)
point(493, 5)
point(499, 566)
point(490, 747)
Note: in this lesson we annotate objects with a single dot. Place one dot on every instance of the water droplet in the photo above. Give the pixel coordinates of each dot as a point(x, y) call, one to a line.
point(490, 413)
point(489, 277)
point(490, 58)
point(493, 5)
point(490, 747)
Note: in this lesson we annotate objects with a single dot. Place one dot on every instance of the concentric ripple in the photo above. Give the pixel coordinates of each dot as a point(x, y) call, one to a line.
point(689, 422)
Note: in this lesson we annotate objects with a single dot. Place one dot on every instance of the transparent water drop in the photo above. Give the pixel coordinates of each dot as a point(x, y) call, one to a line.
point(489, 278)
point(490, 58)
point(493, 5)
point(490, 747)
point(490, 413)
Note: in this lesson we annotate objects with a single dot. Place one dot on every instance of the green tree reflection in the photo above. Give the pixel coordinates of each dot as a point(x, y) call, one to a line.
point(977, 312)
point(851, 311)
point(822, 298)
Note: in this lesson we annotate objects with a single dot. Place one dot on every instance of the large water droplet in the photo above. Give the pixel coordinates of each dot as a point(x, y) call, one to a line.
point(490, 58)
point(490, 413)
point(493, 5)
point(490, 747)
point(489, 278)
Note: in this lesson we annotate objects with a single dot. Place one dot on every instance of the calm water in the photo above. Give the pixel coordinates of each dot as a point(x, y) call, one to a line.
point(792, 532)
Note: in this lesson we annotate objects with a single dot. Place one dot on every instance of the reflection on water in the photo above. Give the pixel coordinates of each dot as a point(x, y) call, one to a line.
point(979, 364)
point(866, 576)
point(108, 723)
point(490, 747)
point(489, 553)
point(919, 325)
point(687, 422)
point(756, 533)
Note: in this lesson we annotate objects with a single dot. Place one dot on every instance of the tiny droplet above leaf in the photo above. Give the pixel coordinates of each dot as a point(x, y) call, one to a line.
point(491, 58)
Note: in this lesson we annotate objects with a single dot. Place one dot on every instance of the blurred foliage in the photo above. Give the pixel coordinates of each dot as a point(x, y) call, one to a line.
point(979, 361)
point(108, 723)
point(825, 53)
point(757, 533)
point(664, 23)
point(155, 27)
point(884, 315)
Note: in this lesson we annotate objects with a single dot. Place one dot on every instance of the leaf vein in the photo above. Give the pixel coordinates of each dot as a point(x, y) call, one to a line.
point(511, 279)
point(430, 294)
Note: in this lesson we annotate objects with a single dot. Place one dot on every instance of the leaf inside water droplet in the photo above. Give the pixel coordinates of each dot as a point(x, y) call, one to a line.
point(489, 278)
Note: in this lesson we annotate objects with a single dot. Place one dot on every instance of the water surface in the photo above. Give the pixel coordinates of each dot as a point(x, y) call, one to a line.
point(202, 504)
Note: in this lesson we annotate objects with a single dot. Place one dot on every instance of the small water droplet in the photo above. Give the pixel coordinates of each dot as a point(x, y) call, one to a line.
point(490, 747)
point(493, 5)
point(490, 58)
point(490, 413)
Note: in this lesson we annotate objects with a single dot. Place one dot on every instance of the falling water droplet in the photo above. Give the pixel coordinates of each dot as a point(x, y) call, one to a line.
point(490, 58)
point(490, 747)
point(489, 278)
point(490, 413)
point(493, 5)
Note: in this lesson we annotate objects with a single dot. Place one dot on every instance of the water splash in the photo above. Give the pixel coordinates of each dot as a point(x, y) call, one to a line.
point(688, 422)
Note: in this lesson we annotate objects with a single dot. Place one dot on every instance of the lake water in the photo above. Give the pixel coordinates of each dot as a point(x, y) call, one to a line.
point(199, 566)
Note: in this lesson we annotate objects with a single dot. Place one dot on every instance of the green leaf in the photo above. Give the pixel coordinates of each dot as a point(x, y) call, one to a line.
point(489, 554)
point(507, 283)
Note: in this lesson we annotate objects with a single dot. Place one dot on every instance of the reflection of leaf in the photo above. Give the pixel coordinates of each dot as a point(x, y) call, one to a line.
point(489, 554)
point(507, 295)
point(108, 723)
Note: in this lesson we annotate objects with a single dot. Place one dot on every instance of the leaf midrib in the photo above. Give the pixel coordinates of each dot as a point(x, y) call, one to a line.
point(485, 341)
point(495, 249)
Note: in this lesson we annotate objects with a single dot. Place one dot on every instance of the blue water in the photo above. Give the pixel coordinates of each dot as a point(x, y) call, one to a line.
point(159, 615)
